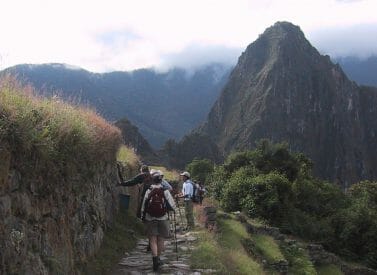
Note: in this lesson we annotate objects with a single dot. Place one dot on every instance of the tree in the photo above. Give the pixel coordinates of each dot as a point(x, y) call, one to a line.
point(200, 169)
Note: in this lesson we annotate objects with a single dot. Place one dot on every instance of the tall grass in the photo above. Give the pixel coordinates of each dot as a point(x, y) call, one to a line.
point(52, 129)
point(224, 252)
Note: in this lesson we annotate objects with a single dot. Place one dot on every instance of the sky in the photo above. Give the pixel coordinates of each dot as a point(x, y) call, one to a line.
point(124, 35)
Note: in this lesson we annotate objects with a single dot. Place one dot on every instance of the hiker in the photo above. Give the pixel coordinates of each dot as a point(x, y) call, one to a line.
point(155, 216)
point(187, 195)
point(144, 180)
point(201, 192)
point(165, 184)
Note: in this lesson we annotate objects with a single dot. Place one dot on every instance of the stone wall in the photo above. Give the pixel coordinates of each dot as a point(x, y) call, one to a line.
point(52, 222)
point(210, 216)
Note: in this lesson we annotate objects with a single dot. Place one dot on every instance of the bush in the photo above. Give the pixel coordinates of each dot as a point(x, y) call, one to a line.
point(200, 169)
point(269, 198)
point(359, 224)
point(216, 182)
point(265, 196)
point(237, 189)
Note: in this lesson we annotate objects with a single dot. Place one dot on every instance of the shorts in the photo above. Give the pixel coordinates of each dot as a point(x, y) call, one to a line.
point(157, 228)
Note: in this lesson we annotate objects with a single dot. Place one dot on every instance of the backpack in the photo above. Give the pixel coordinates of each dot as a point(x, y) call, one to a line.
point(156, 203)
point(201, 191)
point(195, 190)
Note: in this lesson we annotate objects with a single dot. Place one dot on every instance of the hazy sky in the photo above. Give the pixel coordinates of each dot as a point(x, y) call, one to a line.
point(124, 35)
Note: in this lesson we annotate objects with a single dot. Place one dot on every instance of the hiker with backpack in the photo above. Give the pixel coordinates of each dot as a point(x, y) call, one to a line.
point(187, 195)
point(144, 180)
point(166, 185)
point(164, 182)
point(201, 192)
point(156, 203)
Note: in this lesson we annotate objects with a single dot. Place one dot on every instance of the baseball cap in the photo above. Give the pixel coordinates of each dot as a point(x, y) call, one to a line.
point(186, 174)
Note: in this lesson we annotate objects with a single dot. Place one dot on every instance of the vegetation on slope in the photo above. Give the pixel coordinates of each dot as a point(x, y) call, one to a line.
point(275, 185)
point(51, 130)
point(224, 252)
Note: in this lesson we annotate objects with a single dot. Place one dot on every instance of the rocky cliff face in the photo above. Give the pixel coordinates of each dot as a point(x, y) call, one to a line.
point(52, 222)
point(284, 90)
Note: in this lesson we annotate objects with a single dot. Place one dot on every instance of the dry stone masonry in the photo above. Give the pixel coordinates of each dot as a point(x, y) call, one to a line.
point(50, 224)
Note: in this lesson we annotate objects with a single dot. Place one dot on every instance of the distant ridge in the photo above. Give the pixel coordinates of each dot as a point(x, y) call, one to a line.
point(162, 105)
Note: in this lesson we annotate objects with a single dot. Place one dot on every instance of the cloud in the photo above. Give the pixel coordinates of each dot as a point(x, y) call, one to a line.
point(117, 37)
point(359, 40)
point(126, 34)
point(195, 56)
point(349, 1)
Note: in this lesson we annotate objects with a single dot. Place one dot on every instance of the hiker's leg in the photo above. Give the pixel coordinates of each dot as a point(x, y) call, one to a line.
point(154, 245)
point(160, 245)
point(189, 213)
point(191, 223)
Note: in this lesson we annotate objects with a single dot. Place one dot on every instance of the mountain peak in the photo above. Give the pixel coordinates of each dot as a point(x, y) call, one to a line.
point(283, 28)
point(282, 89)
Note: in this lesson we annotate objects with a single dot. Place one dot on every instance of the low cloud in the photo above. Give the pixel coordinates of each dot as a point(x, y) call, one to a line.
point(195, 56)
point(358, 40)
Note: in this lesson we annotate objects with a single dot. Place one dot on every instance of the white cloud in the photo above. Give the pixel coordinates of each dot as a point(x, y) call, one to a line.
point(126, 34)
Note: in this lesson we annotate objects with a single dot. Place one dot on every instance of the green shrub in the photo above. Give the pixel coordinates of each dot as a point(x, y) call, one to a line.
point(237, 189)
point(358, 227)
point(216, 182)
point(200, 169)
point(269, 197)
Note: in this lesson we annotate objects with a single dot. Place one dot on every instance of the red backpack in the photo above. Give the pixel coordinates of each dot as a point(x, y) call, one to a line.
point(156, 203)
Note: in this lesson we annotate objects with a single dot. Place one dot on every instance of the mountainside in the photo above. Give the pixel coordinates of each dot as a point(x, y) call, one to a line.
point(282, 89)
point(133, 139)
point(162, 105)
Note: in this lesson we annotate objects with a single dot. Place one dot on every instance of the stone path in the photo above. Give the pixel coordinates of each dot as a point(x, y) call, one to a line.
point(139, 261)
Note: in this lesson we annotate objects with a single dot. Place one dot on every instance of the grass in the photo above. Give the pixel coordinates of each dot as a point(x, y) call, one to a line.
point(121, 237)
point(207, 255)
point(127, 156)
point(298, 259)
point(224, 251)
point(328, 270)
point(52, 129)
point(268, 247)
point(232, 233)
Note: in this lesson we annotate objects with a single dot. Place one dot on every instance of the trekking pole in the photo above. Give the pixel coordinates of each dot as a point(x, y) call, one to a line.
point(175, 235)
point(179, 209)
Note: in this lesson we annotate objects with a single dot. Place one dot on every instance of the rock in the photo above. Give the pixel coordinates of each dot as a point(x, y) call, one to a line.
point(5, 206)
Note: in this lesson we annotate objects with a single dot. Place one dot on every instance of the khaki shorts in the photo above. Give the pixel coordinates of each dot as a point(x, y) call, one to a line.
point(157, 228)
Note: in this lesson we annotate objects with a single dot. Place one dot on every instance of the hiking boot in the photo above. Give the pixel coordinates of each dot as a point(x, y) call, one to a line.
point(160, 263)
point(155, 263)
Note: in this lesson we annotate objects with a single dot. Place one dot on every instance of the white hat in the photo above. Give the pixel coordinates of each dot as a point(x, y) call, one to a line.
point(161, 173)
point(152, 171)
point(186, 174)
point(155, 173)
